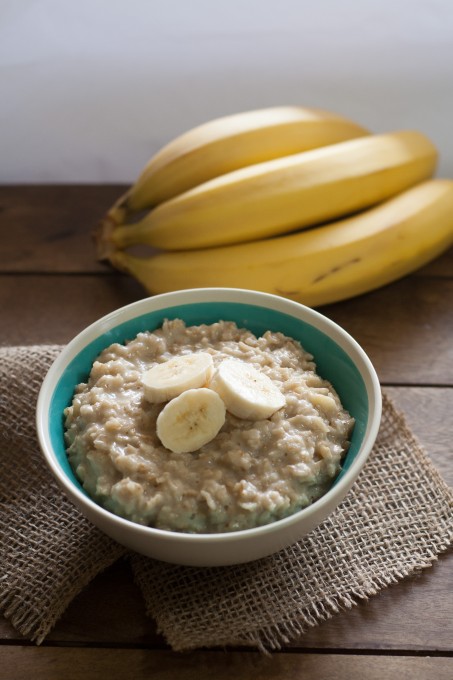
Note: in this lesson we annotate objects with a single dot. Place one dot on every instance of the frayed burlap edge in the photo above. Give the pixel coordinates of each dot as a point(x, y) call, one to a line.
point(35, 622)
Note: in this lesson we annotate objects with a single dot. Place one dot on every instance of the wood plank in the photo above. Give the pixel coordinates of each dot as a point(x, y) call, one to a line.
point(82, 664)
point(414, 615)
point(395, 325)
point(95, 616)
point(428, 412)
point(53, 309)
point(406, 328)
point(47, 228)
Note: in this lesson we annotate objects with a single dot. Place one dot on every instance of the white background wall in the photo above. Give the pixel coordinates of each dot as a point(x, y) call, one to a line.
point(89, 89)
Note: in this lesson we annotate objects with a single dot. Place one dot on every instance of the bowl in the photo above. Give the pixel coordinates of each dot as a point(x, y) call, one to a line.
point(338, 357)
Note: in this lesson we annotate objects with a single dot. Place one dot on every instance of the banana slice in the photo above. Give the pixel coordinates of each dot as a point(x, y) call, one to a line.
point(190, 420)
point(246, 392)
point(168, 380)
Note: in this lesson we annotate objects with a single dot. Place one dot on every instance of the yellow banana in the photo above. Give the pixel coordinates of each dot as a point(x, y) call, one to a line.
point(229, 143)
point(321, 265)
point(271, 198)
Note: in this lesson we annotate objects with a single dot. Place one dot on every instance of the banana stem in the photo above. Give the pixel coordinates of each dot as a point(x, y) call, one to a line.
point(115, 216)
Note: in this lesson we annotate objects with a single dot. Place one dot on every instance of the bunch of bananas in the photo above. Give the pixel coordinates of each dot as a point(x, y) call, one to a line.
point(294, 201)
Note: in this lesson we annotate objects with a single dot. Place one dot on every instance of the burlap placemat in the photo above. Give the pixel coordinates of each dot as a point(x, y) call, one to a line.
point(395, 521)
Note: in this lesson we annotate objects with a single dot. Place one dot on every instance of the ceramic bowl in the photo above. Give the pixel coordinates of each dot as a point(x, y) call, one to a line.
point(338, 357)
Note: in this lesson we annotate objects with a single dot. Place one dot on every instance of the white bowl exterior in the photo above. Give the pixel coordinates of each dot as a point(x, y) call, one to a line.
point(212, 549)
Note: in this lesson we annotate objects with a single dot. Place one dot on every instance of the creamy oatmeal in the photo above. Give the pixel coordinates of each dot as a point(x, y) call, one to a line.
point(253, 472)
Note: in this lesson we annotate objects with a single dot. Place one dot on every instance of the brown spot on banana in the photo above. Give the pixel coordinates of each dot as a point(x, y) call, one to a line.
point(287, 293)
point(338, 268)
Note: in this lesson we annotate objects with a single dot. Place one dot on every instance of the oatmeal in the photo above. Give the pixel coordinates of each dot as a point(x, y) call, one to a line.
point(251, 473)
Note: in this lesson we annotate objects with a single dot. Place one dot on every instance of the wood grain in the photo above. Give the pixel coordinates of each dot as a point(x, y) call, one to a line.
point(49, 228)
point(429, 414)
point(406, 328)
point(53, 309)
point(395, 325)
point(116, 664)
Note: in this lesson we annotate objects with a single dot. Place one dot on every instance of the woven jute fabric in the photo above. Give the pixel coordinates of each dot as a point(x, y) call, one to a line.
point(395, 521)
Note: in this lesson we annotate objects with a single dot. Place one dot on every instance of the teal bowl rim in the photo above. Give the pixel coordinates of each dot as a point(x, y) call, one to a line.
point(286, 314)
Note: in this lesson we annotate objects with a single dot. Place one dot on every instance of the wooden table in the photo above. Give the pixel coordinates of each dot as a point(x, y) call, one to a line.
point(51, 287)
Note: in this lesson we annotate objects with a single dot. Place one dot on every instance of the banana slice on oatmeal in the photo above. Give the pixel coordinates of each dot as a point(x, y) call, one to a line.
point(165, 381)
point(190, 420)
point(246, 392)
